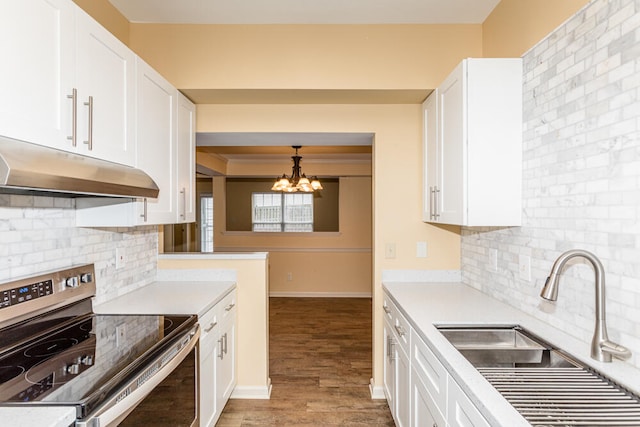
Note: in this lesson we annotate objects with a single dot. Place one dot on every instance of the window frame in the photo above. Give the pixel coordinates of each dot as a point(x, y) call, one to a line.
point(285, 215)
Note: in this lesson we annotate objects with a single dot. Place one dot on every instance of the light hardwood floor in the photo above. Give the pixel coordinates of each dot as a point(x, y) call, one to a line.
point(320, 366)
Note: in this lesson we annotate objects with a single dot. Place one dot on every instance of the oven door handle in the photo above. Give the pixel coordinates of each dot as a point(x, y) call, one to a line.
point(114, 411)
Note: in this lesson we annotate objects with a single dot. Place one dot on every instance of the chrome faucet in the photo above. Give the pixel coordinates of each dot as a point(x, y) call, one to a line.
point(601, 348)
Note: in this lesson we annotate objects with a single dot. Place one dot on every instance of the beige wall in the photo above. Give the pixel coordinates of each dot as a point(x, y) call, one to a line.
point(312, 264)
point(305, 56)
point(515, 26)
point(107, 15)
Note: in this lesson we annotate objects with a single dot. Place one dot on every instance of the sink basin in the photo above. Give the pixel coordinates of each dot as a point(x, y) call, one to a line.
point(502, 346)
point(545, 384)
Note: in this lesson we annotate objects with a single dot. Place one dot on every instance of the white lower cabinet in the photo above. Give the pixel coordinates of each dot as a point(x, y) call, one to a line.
point(428, 385)
point(419, 389)
point(217, 359)
point(422, 413)
point(208, 366)
point(397, 368)
point(226, 363)
point(460, 411)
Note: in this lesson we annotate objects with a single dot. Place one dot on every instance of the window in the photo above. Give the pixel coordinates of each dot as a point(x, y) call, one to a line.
point(206, 223)
point(275, 212)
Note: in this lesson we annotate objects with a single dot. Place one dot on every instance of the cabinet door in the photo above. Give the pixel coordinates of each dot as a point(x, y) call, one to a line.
point(208, 366)
point(431, 160)
point(403, 388)
point(389, 367)
point(226, 374)
point(156, 148)
point(460, 411)
point(105, 75)
point(186, 172)
point(37, 47)
point(451, 147)
point(421, 404)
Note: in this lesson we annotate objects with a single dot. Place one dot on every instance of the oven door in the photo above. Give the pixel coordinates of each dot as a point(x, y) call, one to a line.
point(165, 393)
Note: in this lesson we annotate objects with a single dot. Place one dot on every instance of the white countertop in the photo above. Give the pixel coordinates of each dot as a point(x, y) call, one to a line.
point(426, 304)
point(169, 297)
point(37, 417)
point(214, 255)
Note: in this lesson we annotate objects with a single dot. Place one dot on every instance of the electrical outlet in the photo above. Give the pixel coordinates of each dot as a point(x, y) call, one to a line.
point(289, 277)
point(121, 259)
point(121, 334)
point(390, 250)
point(525, 267)
point(421, 250)
point(493, 260)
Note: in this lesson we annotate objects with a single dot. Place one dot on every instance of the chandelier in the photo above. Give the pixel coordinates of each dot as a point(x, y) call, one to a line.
point(296, 182)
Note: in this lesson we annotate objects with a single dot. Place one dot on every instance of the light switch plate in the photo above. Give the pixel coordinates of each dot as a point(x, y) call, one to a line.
point(421, 249)
point(390, 250)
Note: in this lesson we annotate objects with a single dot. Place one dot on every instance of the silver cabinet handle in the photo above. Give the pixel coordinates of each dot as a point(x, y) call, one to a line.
point(74, 117)
point(229, 307)
point(386, 309)
point(225, 343)
point(392, 350)
point(211, 326)
point(432, 201)
point(436, 208)
point(143, 215)
point(89, 141)
point(220, 354)
point(184, 203)
point(389, 344)
point(400, 330)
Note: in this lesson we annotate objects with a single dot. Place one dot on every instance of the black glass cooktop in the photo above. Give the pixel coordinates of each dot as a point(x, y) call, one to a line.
point(67, 358)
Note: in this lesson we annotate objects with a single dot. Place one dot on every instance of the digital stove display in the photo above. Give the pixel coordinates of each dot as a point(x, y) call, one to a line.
point(26, 293)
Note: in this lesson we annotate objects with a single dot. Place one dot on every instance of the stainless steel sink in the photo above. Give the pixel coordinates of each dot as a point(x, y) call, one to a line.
point(545, 384)
point(503, 346)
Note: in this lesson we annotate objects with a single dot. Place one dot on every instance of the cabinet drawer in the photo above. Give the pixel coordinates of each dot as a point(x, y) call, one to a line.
point(228, 306)
point(399, 324)
point(209, 328)
point(429, 369)
point(387, 308)
point(402, 330)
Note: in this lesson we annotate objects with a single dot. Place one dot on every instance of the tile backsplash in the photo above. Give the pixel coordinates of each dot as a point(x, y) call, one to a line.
point(39, 234)
point(581, 178)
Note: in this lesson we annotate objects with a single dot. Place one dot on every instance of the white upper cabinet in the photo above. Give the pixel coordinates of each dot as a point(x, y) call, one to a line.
point(156, 152)
point(165, 149)
point(186, 165)
point(71, 83)
point(38, 72)
point(473, 145)
point(105, 78)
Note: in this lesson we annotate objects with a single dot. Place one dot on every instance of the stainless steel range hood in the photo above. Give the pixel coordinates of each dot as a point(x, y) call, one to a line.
point(33, 169)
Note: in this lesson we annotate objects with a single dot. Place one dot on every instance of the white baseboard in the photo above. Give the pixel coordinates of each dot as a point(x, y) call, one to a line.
point(252, 392)
point(320, 294)
point(377, 392)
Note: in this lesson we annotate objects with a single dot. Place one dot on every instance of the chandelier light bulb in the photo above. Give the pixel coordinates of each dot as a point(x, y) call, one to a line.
point(298, 180)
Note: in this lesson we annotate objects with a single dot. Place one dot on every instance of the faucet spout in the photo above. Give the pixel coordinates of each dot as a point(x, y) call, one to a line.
point(601, 348)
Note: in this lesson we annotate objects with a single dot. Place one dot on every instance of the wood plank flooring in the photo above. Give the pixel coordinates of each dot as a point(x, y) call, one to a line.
point(320, 366)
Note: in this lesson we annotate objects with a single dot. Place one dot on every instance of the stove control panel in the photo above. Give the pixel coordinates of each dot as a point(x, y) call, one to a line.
point(25, 293)
point(31, 294)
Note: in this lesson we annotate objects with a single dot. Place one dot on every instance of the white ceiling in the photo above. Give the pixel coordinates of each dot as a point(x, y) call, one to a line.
point(307, 11)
